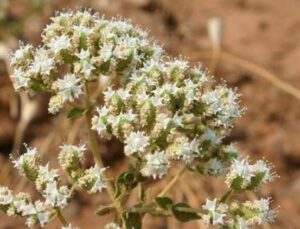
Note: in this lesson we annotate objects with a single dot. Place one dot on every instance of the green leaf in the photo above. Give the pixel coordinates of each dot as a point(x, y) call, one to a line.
point(198, 109)
point(103, 210)
point(76, 112)
point(236, 184)
point(30, 172)
point(256, 181)
point(83, 41)
point(132, 220)
point(184, 213)
point(151, 116)
point(164, 202)
point(125, 183)
point(67, 57)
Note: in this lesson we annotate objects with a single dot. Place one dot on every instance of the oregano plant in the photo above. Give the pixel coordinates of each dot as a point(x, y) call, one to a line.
point(165, 112)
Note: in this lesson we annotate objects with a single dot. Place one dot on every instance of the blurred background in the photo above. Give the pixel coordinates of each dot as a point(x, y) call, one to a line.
point(259, 55)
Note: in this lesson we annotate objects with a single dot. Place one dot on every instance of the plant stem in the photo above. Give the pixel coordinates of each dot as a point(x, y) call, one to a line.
point(61, 217)
point(227, 195)
point(92, 138)
point(172, 182)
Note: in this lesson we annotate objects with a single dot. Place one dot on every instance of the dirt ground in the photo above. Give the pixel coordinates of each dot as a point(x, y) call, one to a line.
point(264, 32)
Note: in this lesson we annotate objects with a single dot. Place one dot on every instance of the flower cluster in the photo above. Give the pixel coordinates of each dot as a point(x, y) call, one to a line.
point(165, 112)
point(70, 159)
point(162, 110)
point(238, 215)
point(91, 45)
point(245, 176)
point(47, 183)
point(21, 205)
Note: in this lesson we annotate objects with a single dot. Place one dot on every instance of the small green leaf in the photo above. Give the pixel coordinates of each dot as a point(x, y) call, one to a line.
point(256, 181)
point(83, 41)
point(76, 112)
point(236, 184)
point(183, 212)
point(164, 202)
point(125, 183)
point(103, 210)
point(198, 109)
point(132, 220)
point(67, 57)
point(152, 115)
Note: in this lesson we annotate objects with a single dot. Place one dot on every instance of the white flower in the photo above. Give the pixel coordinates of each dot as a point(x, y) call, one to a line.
point(87, 69)
point(20, 80)
point(157, 165)
point(216, 166)
point(116, 120)
point(222, 102)
point(136, 142)
point(80, 29)
point(108, 94)
point(42, 63)
point(106, 51)
point(210, 205)
point(112, 226)
point(29, 160)
point(211, 135)
point(156, 101)
point(93, 179)
point(27, 209)
point(59, 43)
point(100, 183)
point(21, 53)
point(187, 151)
point(171, 88)
point(262, 167)
point(56, 197)
point(262, 204)
point(124, 94)
point(83, 54)
point(142, 97)
point(242, 169)
point(43, 212)
point(46, 175)
point(177, 120)
point(6, 196)
point(69, 87)
point(217, 218)
point(99, 125)
point(180, 64)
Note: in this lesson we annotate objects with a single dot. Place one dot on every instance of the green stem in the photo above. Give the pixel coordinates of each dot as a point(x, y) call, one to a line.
point(226, 197)
point(92, 139)
point(61, 217)
point(172, 182)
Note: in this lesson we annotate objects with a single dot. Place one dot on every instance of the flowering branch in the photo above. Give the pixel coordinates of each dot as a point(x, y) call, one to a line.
point(96, 152)
point(161, 109)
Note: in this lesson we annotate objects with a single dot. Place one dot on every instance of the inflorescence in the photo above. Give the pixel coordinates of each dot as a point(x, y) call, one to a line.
point(162, 109)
